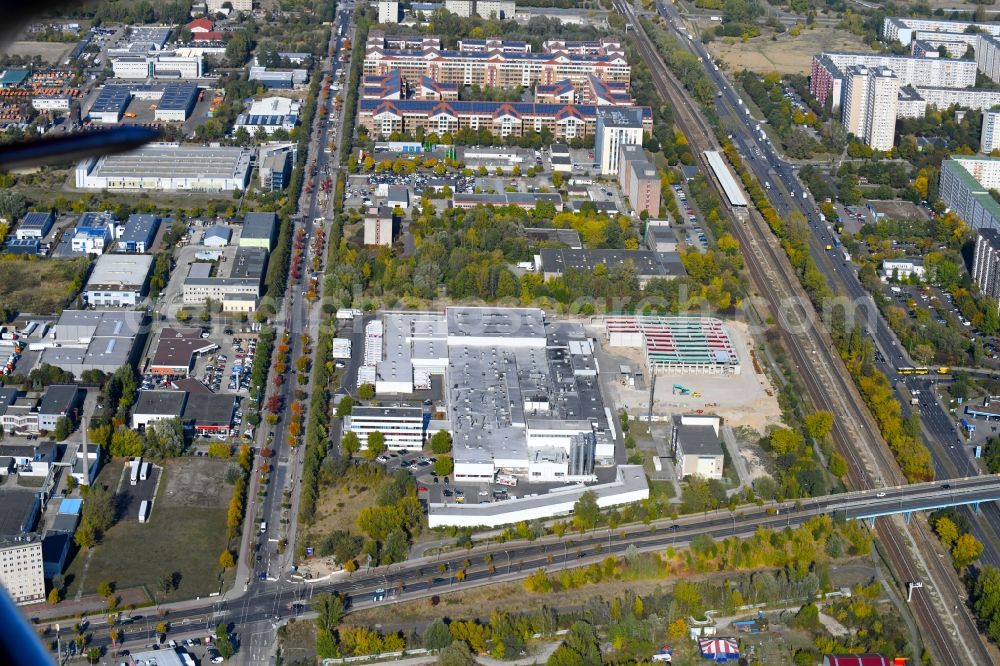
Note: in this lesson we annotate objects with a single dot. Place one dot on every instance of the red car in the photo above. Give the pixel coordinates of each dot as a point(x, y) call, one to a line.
point(421, 489)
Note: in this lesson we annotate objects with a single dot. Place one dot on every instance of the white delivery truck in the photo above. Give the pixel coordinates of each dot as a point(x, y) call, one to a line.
point(144, 511)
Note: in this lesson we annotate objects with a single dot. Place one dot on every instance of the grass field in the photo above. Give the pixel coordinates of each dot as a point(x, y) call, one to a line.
point(299, 643)
point(185, 534)
point(41, 287)
point(787, 54)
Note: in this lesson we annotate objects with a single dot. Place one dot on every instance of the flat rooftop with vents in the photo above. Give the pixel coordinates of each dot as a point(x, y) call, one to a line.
point(168, 167)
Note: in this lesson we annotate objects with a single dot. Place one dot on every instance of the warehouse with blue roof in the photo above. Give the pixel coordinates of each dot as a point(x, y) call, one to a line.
point(36, 225)
point(177, 102)
point(110, 104)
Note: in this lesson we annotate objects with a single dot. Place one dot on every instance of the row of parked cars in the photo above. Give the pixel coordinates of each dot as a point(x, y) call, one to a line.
point(692, 218)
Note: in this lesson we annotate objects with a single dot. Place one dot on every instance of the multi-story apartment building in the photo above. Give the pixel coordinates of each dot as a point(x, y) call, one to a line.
point(905, 29)
point(986, 263)
point(216, 6)
point(639, 180)
point(988, 56)
point(21, 570)
point(383, 117)
point(828, 72)
point(956, 43)
point(880, 111)
point(603, 46)
point(501, 70)
point(965, 186)
point(388, 11)
point(501, 9)
point(914, 100)
point(989, 139)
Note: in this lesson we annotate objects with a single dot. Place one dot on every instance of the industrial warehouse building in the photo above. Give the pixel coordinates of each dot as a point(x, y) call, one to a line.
point(35, 225)
point(168, 166)
point(110, 104)
point(177, 102)
point(118, 280)
point(94, 340)
point(259, 230)
point(628, 487)
point(522, 394)
point(270, 114)
point(138, 233)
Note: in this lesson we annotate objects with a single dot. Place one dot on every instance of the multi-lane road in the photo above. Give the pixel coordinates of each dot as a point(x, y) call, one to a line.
point(515, 560)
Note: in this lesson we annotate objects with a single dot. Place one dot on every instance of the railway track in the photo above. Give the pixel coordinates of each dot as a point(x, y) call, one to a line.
point(821, 368)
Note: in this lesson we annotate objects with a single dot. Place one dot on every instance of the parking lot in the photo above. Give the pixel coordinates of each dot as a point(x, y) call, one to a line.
point(693, 231)
point(128, 498)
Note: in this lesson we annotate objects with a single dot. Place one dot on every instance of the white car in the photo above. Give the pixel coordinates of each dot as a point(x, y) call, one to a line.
point(217, 659)
point(382, 459)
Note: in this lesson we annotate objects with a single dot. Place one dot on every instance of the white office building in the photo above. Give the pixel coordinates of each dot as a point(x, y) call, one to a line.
point(402, 427)
point(157, 66)
point(615, 127)
point(903, 269)
point(694, 442)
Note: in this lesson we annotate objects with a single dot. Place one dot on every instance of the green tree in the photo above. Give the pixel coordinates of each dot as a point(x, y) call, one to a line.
point(366, 391)
point(586, 513)
point(375, 445)
point(330, 610)
point(444, 466)
point(63, 429)
point(441, 442)
point(437, 636)
point(345, 406)
point(457, 654)
point(819, 424)
point(104, 589)
point(986, 600)
point(966, 551)
point(54, 596)
point(222, 641)
point(350, 443)
point(947, 531)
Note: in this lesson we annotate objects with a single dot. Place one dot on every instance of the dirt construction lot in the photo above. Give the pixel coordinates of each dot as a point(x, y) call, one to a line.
point(746, 399)
point(51, 52)
point(787, 55)
point(185, 534)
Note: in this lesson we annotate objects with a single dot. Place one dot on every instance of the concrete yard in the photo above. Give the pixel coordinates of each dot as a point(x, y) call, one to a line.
point(746, 399)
